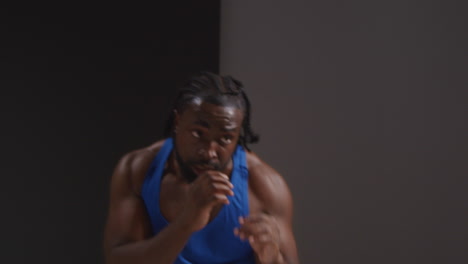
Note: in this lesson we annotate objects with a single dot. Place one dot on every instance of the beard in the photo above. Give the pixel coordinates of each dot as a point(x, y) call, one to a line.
point(185, 167)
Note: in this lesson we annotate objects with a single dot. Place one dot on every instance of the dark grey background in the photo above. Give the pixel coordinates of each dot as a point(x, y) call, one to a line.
point(81, 86)
point(362, 106)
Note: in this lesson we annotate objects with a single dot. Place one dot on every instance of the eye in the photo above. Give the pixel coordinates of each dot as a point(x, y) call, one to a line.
point(226, 140)
point(196, 133)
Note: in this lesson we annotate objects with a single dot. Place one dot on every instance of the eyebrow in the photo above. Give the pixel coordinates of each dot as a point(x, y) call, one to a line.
point(202, 123)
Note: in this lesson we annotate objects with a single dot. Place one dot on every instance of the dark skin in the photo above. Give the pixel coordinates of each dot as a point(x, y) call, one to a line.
point(206, 136)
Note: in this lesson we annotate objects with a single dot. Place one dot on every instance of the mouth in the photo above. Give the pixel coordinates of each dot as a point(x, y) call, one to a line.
point(201, 169)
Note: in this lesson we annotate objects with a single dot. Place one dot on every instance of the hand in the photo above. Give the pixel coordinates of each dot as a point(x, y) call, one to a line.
point(209, 190)
point(263, 234)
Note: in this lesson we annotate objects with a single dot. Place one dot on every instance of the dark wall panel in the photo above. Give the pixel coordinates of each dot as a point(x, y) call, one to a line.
point(71, 112)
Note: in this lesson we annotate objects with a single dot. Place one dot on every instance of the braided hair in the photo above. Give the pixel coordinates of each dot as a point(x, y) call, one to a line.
point(218, 90)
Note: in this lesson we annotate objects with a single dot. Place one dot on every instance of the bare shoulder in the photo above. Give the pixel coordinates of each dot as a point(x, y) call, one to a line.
point(268, 186)
point(132, 167)
point(127, 219)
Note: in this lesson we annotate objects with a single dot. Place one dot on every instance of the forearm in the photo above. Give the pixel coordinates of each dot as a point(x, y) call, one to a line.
point(160, 249)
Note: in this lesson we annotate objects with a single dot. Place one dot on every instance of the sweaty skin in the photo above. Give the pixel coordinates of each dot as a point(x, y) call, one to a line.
point(194, 187)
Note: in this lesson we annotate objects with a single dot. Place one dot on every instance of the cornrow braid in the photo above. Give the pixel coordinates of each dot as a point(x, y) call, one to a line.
point(218, 90)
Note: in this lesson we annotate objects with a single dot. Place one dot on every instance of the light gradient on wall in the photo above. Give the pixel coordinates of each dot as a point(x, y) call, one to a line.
point(361, 105)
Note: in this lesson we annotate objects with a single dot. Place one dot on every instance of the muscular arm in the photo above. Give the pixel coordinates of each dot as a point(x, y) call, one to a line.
point(275, 200)
point(128, 237)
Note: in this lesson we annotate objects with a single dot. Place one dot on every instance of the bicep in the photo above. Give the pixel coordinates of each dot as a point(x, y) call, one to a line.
point(277, 200)
point(127, 222)
point(127, 219)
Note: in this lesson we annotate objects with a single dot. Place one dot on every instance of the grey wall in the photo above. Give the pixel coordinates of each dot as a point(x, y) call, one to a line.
point(362, 106)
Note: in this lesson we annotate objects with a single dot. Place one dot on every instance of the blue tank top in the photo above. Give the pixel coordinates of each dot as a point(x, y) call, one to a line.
point(216, 242)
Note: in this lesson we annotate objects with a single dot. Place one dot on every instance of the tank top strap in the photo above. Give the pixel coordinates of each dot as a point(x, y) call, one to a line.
point(239, 178)
point(240, 158)
point(151, 184)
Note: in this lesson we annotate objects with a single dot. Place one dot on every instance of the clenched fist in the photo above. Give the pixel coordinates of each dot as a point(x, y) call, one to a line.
point(209, 190)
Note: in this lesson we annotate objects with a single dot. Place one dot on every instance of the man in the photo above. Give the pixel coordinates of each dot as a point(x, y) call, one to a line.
point(200, 195)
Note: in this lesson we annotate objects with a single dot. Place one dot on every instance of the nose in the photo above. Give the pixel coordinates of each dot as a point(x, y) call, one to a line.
point(209, 150)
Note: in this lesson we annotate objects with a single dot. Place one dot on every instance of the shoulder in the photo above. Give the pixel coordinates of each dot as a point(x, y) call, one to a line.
point(268, 186)
point(131, 169)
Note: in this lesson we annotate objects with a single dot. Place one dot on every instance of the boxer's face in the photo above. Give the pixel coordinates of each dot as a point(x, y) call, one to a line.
point(206, 137)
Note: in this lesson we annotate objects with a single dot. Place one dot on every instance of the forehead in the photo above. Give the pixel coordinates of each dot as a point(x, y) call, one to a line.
point(200, 112)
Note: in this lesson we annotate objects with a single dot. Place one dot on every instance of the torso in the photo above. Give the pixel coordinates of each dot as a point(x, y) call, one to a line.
point(173, 189)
